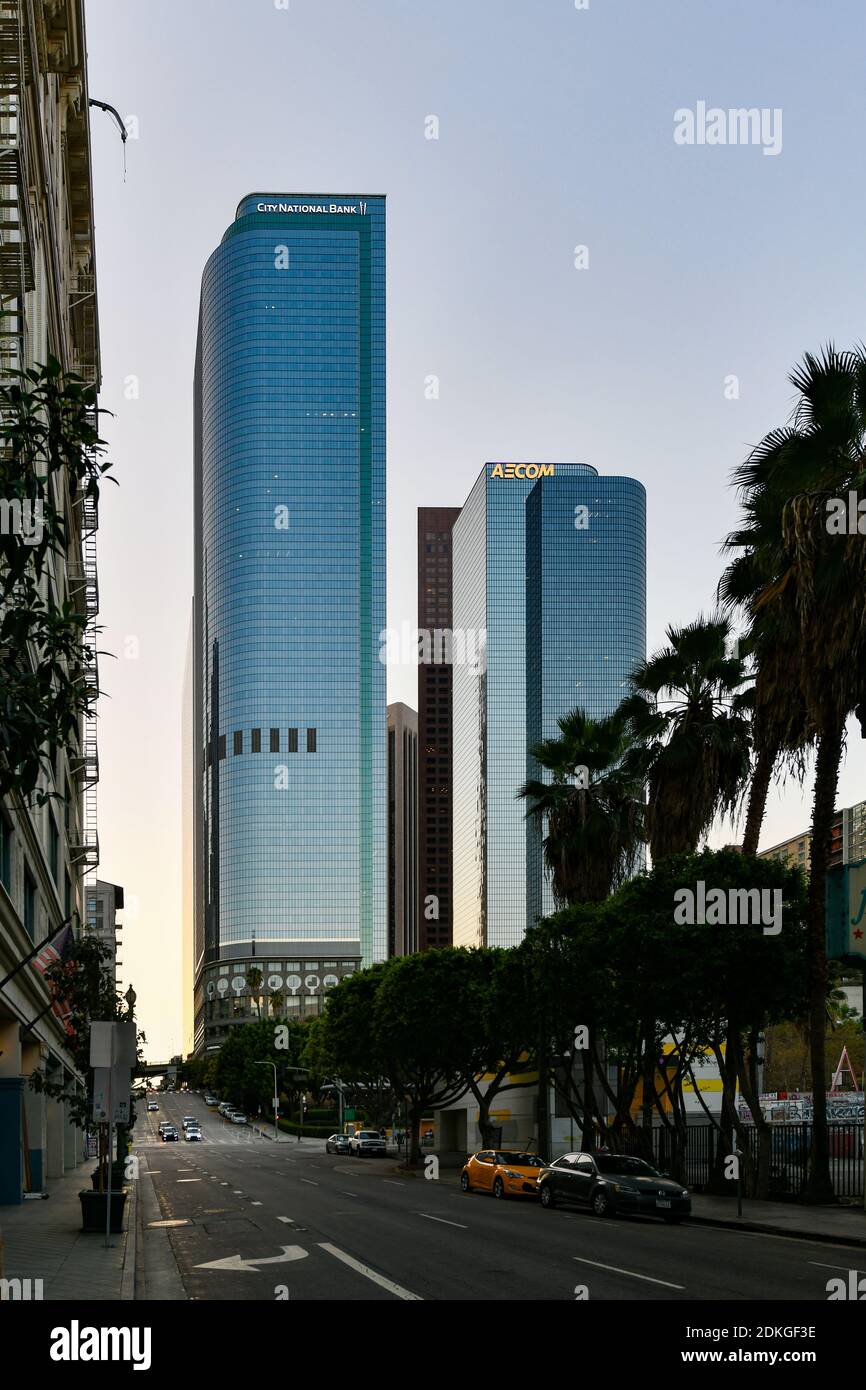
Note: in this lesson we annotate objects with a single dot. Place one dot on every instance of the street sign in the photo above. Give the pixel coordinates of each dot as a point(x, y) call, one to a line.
point(846, 912)
point(348, 1113)
point(112, 1043)
point(120, 1081)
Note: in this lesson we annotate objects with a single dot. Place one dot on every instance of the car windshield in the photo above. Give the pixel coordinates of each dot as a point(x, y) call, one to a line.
point(370, 1134)
point(620, 1163)
point(519, 1160)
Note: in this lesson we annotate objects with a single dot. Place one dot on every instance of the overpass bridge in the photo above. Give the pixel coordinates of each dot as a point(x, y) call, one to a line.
point(167, 1069)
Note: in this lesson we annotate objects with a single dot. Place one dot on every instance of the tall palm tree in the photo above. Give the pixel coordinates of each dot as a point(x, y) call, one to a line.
point(780, 727)
point(810, 601)
point(254, 979)
point(688, 718)
point(590, 807)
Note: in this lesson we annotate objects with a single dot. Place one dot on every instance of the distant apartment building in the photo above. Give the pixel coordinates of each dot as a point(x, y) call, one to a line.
point(402, 830)
point(795, 853)
point(847, 841)
point(103, 902)
point(435, 875)
point(48, 308)
point(550, 581)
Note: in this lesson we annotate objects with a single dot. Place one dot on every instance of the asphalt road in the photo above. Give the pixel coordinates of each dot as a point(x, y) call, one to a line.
point(262, 1221)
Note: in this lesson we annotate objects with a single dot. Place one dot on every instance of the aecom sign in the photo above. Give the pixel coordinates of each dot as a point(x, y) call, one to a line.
point(522, 470)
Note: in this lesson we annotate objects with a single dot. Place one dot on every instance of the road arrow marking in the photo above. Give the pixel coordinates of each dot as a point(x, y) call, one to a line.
point(236, 1262)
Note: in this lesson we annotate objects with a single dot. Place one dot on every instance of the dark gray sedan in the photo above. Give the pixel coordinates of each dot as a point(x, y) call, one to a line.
point(612, 1184)
point(337, 1144)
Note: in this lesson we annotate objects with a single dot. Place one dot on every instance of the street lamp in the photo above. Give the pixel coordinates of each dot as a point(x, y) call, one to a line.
point(276, 1099)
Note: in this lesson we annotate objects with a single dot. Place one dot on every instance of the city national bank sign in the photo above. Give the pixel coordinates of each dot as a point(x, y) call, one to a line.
point(522, 470)
point(312, 207)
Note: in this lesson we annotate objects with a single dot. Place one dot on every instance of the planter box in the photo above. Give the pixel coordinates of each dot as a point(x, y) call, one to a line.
point(118, 1178)
point(94, 1209)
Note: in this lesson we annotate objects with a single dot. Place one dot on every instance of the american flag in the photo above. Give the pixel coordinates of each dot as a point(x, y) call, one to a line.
point(59, 948)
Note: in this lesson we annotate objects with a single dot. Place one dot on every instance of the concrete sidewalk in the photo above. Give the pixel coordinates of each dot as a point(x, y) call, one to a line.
point(44, 1240)
point(837, 1225)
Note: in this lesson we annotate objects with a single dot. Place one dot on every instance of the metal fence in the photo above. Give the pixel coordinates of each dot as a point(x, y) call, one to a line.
point(788, 1161)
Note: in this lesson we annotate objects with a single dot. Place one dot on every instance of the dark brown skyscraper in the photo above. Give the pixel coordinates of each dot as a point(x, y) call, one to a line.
point(434, 729)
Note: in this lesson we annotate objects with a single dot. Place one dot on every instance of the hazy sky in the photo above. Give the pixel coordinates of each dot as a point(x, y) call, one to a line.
point(555, 131)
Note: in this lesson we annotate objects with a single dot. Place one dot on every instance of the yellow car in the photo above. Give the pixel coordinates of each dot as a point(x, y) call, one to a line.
point(504, 1173)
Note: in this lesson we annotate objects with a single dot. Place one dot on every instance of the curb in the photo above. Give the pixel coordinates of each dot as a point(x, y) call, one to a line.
point(127, 1278)
point(764, 1228)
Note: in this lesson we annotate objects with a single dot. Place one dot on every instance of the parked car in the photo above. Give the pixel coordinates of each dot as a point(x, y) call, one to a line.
point(169, 1135)
point(337, 1144)
point(210, 1100)
point(366, 1141)
point(503, 1172)
point(613, 1183)
point(153, 1105)
point(223, 1106)
point(237, 1117)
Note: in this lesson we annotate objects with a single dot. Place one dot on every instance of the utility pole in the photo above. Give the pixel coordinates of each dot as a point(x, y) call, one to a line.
point(276, 1099)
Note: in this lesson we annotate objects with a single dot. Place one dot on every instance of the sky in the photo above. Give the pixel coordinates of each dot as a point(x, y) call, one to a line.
point(584, 286)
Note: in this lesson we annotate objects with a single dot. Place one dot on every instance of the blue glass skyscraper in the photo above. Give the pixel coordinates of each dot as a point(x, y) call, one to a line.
point(290, 705)
point(549, 561)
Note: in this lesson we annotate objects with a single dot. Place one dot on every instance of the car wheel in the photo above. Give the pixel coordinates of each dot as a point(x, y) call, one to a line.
point(601, 1203)
point(465, 1183)
point(547, 1197)
point(498, 1188)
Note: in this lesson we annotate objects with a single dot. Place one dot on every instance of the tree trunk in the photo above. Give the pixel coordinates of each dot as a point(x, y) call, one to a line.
point(819, 1185)
point(648, 1086)
point(413, 1147)
point(587, 1139)
point(762, 1128)
point(543, 1121)
point(484, 1099)
point(718, 1184)
point(764, 764)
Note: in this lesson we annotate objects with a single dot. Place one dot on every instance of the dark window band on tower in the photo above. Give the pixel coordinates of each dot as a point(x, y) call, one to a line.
point(257, 740)
point(311, 740)
point(275, 740)
point(293, 740)
point(222, 745)
point(239, 741)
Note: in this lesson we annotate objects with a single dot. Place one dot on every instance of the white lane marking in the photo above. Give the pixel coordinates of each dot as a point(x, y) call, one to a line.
point(441, 1220)
point(290, 1252)
point(630, 1272)
point(252, 1204)
point(308, 1181)
point(368, 1273)
point(235, 1191)
point(186, 1180)
point(348, 1194)
point(392, 1182)
point(821, 1265)
point(287, 1220)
